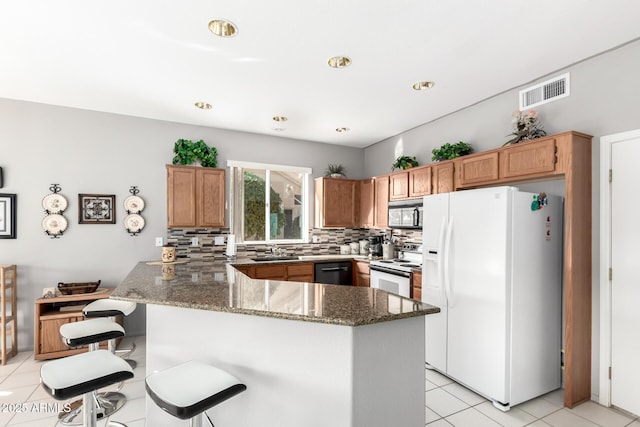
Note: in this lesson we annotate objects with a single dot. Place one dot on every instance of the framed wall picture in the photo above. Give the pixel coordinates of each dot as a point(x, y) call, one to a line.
point(8, 210)
point(96, 209)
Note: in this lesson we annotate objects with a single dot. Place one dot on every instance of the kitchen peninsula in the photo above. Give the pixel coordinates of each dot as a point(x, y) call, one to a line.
point(310, 354)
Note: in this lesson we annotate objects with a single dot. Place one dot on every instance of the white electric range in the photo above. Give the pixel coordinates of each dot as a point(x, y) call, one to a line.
point(394, 275)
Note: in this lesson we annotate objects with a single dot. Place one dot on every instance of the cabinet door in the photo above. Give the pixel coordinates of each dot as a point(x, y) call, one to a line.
point(419, 182)
point(416, 286)
point(339, 197)
point(399, 185)
point(210, 197)
point(181, 196)
point(479, 168)
point(362, 273)
point(443, 177)
point(529, 158)
point(300, 272)
point(381, 211)
point(367, 200)
point(50, 339)
point(271, 271)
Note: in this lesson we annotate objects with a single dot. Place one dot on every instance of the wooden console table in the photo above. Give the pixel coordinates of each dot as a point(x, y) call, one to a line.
point(51, 313)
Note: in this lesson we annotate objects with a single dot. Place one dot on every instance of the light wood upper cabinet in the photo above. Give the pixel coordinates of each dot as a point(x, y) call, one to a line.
point(443, 177)
point(381, 211)
point(478, 169)
point(367, 202)
point(419, 181)
point(399, 185)
point(195, 197)
point(210, 197)
point(528, 159)
point(337, 202)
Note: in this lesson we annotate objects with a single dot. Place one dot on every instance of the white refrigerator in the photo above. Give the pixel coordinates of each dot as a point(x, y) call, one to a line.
point(493, 264)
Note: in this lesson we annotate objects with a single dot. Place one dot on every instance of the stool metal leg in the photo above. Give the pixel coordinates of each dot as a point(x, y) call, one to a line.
point(197, 421)
point(112, 348)
point(89, 415)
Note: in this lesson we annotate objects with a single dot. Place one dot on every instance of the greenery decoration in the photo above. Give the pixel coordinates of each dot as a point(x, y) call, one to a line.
point(525, 127)
point(333, 170)
point(404, 162)
point(188, 152)
point(451, 151)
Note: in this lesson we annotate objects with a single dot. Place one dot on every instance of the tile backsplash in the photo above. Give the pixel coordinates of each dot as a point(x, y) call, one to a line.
point(328, 242)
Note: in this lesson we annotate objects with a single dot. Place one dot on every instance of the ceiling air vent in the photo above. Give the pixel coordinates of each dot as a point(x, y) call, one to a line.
point(544, 92)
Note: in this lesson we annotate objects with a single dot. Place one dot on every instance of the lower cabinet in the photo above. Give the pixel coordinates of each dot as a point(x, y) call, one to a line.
point(293, 272)
point(361, 273)
point(416, 286)
point(300, 272)
point(51, 313)
point(269, 271)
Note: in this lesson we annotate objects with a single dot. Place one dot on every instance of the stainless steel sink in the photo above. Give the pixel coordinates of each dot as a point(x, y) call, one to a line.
point(274, 258)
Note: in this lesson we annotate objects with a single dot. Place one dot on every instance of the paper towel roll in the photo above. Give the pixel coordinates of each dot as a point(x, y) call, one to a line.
point(231, 245)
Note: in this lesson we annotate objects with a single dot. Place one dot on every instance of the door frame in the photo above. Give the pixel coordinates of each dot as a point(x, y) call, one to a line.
point(606, 143)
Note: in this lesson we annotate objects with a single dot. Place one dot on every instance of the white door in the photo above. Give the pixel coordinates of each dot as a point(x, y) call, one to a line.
point(625, 286)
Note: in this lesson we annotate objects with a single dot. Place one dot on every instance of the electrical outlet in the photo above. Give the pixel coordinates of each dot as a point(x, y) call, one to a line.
point(218, 241)
point(315, 239)
point(194, 241)
point(158, 241)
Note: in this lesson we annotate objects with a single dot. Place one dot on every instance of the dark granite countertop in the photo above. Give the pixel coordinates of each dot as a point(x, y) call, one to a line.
point(217, 286)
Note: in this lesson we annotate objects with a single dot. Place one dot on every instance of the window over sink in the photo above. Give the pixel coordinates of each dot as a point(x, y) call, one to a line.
point(269, 202)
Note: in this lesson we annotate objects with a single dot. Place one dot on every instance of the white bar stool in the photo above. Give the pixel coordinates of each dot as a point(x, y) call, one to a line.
point(92, 332)
point(187, 390)
point(82, 374)
point(111, 308)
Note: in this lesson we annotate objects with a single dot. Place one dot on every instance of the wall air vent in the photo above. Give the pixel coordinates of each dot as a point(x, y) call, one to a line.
point(544, 92)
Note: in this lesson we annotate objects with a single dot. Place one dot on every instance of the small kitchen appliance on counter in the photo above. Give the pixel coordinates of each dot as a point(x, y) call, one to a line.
point(375, 246)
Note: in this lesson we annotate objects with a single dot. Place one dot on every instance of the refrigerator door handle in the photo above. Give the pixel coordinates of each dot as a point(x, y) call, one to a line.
point(440, 262)
point(447, 261)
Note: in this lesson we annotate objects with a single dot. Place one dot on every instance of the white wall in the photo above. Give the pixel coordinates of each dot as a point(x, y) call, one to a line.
point(603, 101)
point(99, 153)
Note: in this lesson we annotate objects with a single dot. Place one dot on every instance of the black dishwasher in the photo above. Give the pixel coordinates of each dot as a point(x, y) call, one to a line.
point(333, 273)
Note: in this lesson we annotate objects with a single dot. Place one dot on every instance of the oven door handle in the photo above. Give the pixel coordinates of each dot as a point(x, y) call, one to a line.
point(390, 271)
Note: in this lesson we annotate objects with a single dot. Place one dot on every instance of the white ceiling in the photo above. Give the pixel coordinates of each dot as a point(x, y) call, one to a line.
point(155, 59)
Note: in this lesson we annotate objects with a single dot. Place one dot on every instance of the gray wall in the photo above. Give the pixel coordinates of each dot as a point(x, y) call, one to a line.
point(99, 153)
point(603, 101)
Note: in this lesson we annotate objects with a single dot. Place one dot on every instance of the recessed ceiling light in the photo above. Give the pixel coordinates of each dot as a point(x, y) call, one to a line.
point(423, 85)
point(280, 119)
point(203, 105)
point(339, 61)
point(223, 28)
point(340, 130)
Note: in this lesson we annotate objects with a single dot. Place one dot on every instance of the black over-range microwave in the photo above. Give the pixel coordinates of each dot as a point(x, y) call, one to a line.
point(405, 214)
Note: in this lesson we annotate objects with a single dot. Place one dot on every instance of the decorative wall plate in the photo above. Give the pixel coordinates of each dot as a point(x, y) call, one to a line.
point(54, 203)
point(133, 223)
point(54, 224)
point(133, 204)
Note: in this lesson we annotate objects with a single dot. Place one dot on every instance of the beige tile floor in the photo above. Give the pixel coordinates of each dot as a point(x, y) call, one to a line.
point(24, 403)
point(449, 404)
